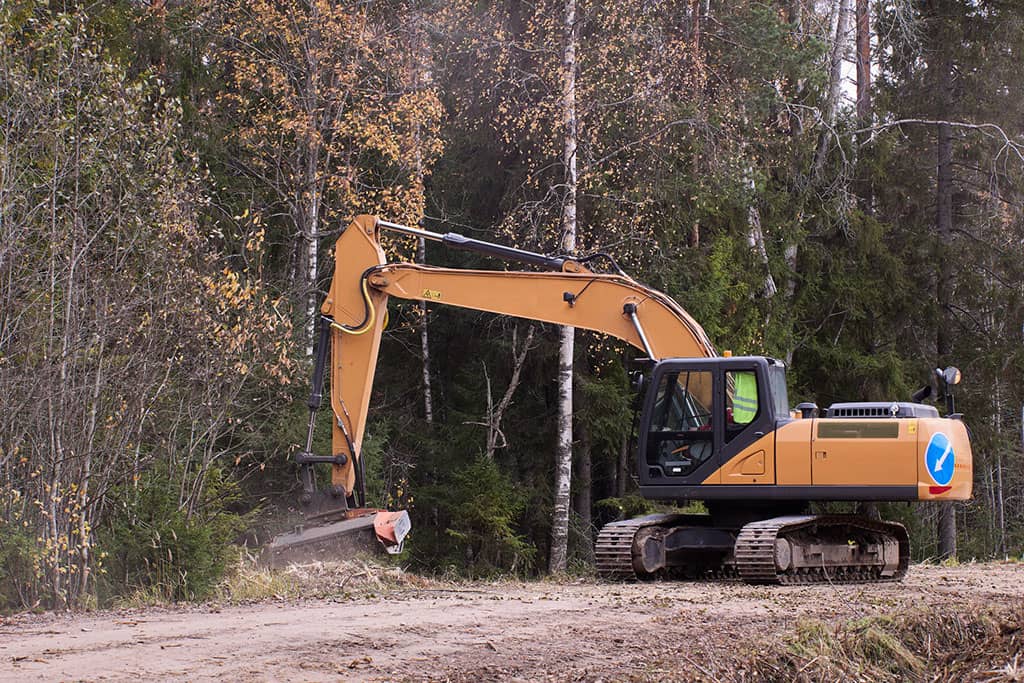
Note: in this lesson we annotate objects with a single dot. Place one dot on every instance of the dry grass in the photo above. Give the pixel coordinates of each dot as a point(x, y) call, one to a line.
point(141, 598)
point(951, 644)
point(250, 581)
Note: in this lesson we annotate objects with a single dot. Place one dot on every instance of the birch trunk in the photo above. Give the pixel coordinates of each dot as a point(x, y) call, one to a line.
point(421, 77)
point(864, 106)
point(308, 202)
point(863, 63)
point(428, 402)
point(791, 252)
point(558, 559)
point(755, 238)
point(584, 481)
point(563, 455)
point(840, 33)
point(312, 214)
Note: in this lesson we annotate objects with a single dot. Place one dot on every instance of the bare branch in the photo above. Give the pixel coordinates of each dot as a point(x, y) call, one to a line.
point(990, 130)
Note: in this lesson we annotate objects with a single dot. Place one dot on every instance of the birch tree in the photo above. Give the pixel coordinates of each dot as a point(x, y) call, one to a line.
point(840, 44)
point(566, 343)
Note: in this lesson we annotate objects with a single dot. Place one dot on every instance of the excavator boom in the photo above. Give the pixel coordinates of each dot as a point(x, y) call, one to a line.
point(353, 319)
point(612, 304)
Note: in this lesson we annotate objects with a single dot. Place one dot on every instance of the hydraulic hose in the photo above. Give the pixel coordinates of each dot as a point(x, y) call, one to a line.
point(370, 313)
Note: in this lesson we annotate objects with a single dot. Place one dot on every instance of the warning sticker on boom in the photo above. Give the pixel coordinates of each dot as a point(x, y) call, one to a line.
point(939, 459)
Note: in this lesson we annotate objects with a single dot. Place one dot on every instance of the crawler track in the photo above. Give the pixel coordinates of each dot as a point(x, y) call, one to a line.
point(759, 559)
point(614, 548)
point(798, 549)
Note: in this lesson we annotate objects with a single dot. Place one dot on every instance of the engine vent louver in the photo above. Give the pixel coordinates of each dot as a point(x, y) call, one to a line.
point(872, 411)
point(879, 409)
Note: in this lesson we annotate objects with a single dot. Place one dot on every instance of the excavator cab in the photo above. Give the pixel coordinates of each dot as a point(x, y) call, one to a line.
point(701, 412)
point(720, 430)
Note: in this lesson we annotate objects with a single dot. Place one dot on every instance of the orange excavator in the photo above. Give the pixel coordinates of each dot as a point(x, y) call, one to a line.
point(712, 428)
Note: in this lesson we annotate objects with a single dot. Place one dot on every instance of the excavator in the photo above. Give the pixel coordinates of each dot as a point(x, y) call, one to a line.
point(713, 427)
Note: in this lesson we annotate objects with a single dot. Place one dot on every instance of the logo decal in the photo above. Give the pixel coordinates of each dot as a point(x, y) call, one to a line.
point(939, 459)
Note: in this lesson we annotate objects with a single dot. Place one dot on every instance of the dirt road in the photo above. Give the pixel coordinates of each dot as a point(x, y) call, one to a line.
point(532, 631)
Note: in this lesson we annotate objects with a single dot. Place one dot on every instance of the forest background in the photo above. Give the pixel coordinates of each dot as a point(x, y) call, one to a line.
point(837, 183)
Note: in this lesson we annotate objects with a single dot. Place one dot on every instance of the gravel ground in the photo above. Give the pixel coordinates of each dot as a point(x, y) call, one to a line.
point(582, 630)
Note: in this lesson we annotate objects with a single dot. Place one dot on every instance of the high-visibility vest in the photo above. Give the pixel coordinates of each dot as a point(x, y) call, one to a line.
point(744, 398)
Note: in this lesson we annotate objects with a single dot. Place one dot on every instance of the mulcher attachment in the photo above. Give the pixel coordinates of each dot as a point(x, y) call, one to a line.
point(361, 532)
point(331, 529)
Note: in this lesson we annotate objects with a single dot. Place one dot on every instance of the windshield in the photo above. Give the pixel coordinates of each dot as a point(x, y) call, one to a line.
point(683, 402)
point(780, 396)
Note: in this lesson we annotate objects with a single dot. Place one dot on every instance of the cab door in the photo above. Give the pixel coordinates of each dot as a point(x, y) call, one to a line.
point(747, 455)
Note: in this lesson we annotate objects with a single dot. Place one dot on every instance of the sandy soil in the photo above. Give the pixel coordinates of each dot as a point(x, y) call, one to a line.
point(509, 631)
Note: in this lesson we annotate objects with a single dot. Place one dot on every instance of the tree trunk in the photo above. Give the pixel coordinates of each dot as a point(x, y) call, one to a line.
point(584, 483)
point(755, 238)
point(835, 78)
point(943, 346)
point(312, 215)
point(796, 129)
point(864, 111)
point(428, 403)
point(863, 63)
point(1001, 503)
point(622, 471)
point(421, 77)
point(308, 199)
point(563, 454)
point(563, 464)
point(997, 493)
point(944, 234)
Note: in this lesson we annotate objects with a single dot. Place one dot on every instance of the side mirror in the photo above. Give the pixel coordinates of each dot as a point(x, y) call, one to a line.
point(951, 376)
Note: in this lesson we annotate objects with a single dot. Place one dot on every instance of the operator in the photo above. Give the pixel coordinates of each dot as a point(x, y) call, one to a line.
point(744, 398)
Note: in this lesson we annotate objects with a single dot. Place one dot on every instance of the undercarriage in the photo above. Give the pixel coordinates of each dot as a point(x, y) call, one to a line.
point(785, 549)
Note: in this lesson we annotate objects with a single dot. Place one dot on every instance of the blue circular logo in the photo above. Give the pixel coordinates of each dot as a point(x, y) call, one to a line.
point(939, 459)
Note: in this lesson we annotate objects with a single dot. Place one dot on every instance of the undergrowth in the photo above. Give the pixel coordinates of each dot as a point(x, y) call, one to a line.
point(948, 644)
point(249, 580)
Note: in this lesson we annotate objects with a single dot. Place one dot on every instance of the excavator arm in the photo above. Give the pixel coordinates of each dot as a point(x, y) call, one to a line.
point(614, 305)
